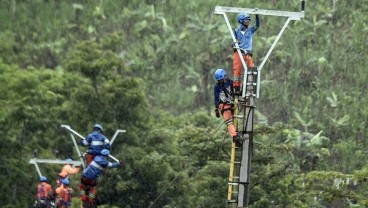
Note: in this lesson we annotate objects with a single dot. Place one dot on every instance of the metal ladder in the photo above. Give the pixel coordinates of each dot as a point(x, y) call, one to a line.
point(238, 186)
point(240, 157)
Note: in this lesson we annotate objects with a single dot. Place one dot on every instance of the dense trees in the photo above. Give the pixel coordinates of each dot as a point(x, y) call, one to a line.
point(146, 66)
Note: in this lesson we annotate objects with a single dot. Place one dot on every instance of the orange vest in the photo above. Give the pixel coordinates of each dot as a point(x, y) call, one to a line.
point(43, 190)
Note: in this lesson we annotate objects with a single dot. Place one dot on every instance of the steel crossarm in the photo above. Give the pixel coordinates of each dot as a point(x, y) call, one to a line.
point(223, 9)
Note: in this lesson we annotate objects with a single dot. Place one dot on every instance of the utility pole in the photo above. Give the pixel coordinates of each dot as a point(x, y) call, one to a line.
point(238, 186)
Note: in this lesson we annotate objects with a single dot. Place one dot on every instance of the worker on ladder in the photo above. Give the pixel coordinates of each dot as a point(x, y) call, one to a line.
point(96, 142)
point(244, 37)
point(224, 103)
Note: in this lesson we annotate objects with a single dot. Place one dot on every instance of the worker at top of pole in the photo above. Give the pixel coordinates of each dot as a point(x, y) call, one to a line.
point(96, 142)
point(244, 37)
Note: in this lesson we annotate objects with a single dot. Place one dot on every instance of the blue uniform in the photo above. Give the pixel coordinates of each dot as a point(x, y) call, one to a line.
point(219, 93)
point(96, 142)
point(95, 169)
point(245, 40)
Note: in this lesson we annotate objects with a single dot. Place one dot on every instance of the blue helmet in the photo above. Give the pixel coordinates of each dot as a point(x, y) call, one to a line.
point(43, 179)
point(65, 181)
point(69, 160)
point(242, 17)
point(98, 126)
point(220, 74)
point(105, 152)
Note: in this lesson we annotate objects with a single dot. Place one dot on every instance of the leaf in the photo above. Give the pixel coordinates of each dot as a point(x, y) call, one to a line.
point(332, 100)
point(78, 6)
point(342, 121)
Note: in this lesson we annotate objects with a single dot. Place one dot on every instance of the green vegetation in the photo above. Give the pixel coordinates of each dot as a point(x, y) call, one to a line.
point(147, 67)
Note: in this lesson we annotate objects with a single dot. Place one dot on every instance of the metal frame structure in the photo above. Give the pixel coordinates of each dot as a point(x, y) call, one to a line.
point(245, 105)
point(72, 132)
point(290, 16)
point(35, 162)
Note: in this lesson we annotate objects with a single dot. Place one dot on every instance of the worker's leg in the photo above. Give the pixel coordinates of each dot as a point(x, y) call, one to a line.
point(237, 67)
point(228, 118)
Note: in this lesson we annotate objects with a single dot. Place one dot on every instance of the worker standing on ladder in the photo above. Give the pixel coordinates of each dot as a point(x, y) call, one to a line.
point(224, 102)
point(244, 37)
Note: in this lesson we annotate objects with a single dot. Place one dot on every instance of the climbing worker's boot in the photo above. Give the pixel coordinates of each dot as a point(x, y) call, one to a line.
point(238, 140)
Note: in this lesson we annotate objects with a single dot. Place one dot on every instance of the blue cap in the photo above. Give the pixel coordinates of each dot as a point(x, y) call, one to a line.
point(65, 181)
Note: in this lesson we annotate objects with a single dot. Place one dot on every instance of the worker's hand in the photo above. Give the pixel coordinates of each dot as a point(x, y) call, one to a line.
point(122, 163)
point(217, 113)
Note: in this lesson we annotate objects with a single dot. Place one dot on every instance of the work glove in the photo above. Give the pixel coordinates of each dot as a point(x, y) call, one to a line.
point(115, 164)
point(217, 113)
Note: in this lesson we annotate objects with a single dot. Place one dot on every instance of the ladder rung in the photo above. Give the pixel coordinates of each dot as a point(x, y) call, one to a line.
point(252, 72)
point(232, 201)
point(248, 94)
point(233, 184)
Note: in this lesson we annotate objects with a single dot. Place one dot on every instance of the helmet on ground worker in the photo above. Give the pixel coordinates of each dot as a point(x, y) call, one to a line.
point(220, 74)
point(65, 181)
point(242, 17)
point(43, 179)
point(69, 160)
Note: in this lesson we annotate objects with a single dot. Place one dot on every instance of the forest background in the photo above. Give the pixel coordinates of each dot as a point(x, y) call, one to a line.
point(147, 67)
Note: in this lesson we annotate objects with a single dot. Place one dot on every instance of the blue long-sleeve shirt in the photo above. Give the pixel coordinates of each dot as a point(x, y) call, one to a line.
point(245, 38)
point(219, 93)
point(96, 142)
point(95, 169)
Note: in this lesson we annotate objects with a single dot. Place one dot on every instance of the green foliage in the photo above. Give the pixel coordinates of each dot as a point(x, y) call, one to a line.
point(147, 67)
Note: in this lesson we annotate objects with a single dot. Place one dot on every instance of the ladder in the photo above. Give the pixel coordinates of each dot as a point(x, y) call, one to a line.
point(240, 157)
point(238, 185)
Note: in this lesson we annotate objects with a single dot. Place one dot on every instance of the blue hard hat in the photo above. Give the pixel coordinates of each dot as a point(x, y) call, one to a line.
point(98, 126)
point(43, 179)
point(65, 181)
point(242, 17)
point(69, 160)
point(105, 152)
point(220, 74)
